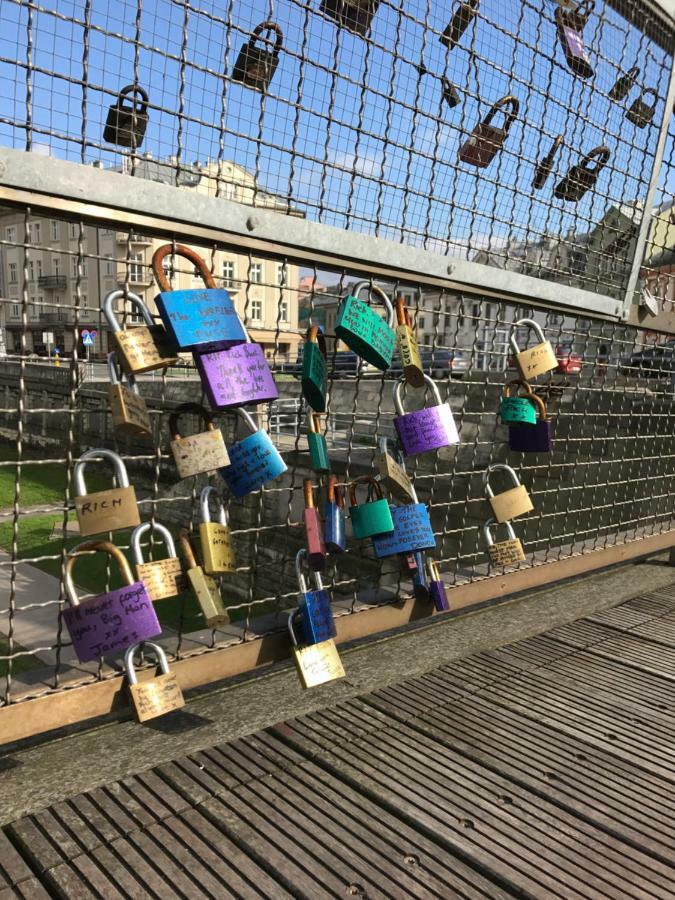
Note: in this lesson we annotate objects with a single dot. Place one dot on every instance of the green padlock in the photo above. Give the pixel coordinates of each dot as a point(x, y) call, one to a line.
point(363, 331)
point(517, 410)
point(374, 516)
point(318, 448)
point(314, 369)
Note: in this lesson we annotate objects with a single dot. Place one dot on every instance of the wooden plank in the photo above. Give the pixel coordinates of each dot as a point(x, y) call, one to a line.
point(29, 889)
point(13, 869)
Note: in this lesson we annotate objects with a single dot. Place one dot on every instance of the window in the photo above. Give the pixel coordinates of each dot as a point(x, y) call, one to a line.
point(228, 273)
point(85, 301)
point(136, 268)
point(31, 273)
point(109, 268)
point(255, 273)
point(35, 232)
point(10, 234)
point(281, 273)
point(16, 310)
point(74, 231)
point(56, 266)
point(34, 310)
point(283, 311)
point(256, 310)
point(38, 267)
point(54, 230)
point(73, 261)
point(12, 272)
point(420, 323)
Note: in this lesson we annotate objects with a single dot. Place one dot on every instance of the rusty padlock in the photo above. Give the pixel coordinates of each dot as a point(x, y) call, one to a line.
point(356, 15)
point(201, 452)
point(545, 165)
point(462, 17)
point(486, 140)
point(125, 125)
point(582, 177)
point(256, 65)
point(128, 409)
point(624, 84)
point(641, 113)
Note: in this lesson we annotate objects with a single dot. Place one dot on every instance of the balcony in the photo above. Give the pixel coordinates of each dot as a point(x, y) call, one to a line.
point(141, 239)
point(53, 282)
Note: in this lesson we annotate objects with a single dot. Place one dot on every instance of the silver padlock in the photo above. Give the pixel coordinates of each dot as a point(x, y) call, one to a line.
point(503, 553)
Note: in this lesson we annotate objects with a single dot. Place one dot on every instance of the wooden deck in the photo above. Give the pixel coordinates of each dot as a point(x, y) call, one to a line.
point(542, 769)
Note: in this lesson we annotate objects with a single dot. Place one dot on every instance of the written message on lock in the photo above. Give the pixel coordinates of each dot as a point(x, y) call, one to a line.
point(128, 409)
point(318, 663)
point(111, 622)
point(162, 578)
point(157, 697)
point(201, 317)
point(412, 532)
point(107, 510)
point(426, 429)
point(138, 350)
point(237, 376)
point(368, 330)
point(506, 553)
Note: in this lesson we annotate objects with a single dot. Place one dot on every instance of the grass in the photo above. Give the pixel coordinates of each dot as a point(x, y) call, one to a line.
point(41, 484)
point(19, 664)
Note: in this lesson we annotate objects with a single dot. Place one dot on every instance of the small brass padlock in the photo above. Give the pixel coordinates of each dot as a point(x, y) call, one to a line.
point(393, 474)
point(641, 113)
point(161, 577)
point(129, 413)
point(486, 140)
point(503, 553)
point(356, 15)
point(545, 165)
point(159, 695)
point(507, 504)
point(256, 65)
point(570, 22)
point(535, 360)
point(126, 125)
point(409, 351)
point(108, 510)
point(582, 176)
point(204, 588)
point(462, 17)
point(215, 537)
point(316, 663)
point(197, 453)
point(142, 348)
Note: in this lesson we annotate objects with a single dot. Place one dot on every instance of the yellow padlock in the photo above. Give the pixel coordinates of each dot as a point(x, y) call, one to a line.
point(215, 537)
point(409, 351)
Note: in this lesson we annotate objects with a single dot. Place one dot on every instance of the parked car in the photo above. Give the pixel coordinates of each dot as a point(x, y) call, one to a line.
point(437, 363)
point(569, 363)
point(657, 361)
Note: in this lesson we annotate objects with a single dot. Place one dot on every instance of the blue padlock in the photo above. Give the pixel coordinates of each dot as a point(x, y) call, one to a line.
point(316, 614)
point(253, 461)
point(419, 576)
point(412, 531)
point(334, 518)
point(202, 319)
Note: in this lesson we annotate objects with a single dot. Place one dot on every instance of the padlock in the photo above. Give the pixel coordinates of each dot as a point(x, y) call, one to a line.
point(156, 696)
point(486, 140)
point(107, 623)
point(126, 125)
point(581, 177)
point(570, 24)
point(520, 410)
point(420, 580)
point(535, 360)
point(510, 503)
point(450, 93)
point(142, 348)
point(503, 553)
point(374, 516)
point(255, 65)
point(161, 577)
point(334, 517)
point(624, 84)
point(392, 472)
point(316, 614)
point(319, 461)
point(437, 591)
point(641, 113)
point(409, 351)
point(537, 438)
point(109, 510)
point(316, 663)
point(201, 452)
point(129, 413)
point(363, 331)
point(314, 537)
point(424, 429)
point(545, 165)
point(253, 461)
point(314, 379)
point(198, 318)
point(215, 537)
point(236, 376)
point(204, 588)
point(462, 17)
point(356, 15)
point(412, 532)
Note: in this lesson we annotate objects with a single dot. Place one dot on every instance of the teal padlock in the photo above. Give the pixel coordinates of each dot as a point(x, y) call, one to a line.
point(363, 331)
point(373, 517)
point(319, 460)
point(516, 410)
point(314, 379)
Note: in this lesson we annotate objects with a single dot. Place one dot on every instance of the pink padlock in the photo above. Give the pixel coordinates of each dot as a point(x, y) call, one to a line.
point(316, 547)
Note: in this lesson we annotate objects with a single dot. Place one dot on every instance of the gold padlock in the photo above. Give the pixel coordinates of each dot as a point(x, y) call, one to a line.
point(129, 412)
point(161, 577)
point(197, 453)
point(104, 510)
point(408, 348)
point(203, 587)
point(393, 474)
point(142, 348)
point(159, 695)
point(535, 360)
point(215, 537)
point(503, 553)
point(316, 663)
point(507, 504)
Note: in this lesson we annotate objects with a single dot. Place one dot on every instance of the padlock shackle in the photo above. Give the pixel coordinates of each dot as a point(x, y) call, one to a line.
point(542, 406)
point(179, 250)
point(523, 383)
point(138, 533)
point(401, 383)
point(291, 617)
point(373, 485)
point(509, 117)
point(603, 153)
point(529, 323)
point(649, 90)
point(133, 89)
point(545, 165)
point(402, 314)
point(268, 26)
point(120, 469)
point(247, 417)
point(204, 498)
point(88, 547)
point(111, 315)
point(498, 467)
point(183, 410)
point(334, 493)
point(583, 11)
point(308, 493)
point(487, 534)
point(143, 646)
point(187, 549)
point(302, 560)
point(315, 335)
point(117, 375)
point(375, 289)
point(432, 569)
point(313, 422)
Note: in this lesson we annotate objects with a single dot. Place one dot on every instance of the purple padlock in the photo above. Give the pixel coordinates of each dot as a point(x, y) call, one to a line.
point(425, 429)
point(109, 623)
point(437, 593)
point(236, 376)
point(536, 438)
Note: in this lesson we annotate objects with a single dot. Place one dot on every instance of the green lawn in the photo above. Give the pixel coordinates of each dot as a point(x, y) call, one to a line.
point(20, 664)
point(40, 484)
